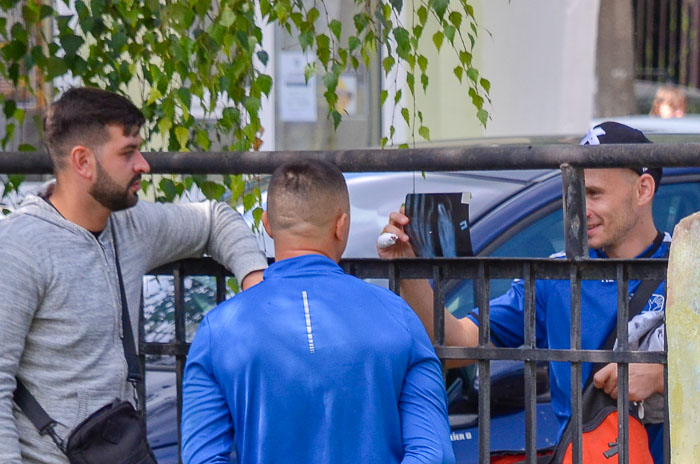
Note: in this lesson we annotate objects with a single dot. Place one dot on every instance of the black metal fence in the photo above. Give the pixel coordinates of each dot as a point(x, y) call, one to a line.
point(575, 268)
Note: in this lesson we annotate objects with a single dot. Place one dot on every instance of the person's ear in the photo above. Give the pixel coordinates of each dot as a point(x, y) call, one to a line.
point(266, 223)
point(645, 189)
point(82, 160)
point(342, 228)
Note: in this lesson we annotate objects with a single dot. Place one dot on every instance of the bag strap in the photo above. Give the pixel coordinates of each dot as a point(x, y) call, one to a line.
point(36, 414)
point(132, 359)
point(637, 303)
point(29, 404)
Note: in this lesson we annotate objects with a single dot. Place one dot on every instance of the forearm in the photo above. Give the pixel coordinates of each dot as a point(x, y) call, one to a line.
point(458, 332)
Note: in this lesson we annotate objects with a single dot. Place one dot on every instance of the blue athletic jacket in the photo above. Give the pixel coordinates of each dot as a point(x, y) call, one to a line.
point(314, 366)
point(553, 321)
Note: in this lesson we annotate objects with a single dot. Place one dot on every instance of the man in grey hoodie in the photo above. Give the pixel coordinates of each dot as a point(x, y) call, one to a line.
point(60, 305)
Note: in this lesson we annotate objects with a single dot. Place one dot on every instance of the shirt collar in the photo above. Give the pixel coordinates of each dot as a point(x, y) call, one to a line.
point(302, 265)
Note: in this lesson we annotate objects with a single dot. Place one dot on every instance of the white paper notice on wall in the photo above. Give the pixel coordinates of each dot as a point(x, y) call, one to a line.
point(297, 98)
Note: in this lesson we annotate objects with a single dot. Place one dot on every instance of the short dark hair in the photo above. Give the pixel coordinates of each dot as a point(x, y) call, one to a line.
point(81, 115)
point(308, 191)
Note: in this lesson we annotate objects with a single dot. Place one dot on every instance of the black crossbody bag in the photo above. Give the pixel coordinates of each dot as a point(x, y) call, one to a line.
point(115, 433)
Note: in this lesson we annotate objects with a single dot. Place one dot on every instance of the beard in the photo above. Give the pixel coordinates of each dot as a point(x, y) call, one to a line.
point(107, 192)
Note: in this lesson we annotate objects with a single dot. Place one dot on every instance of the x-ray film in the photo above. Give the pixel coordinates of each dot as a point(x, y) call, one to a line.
point(439, 224)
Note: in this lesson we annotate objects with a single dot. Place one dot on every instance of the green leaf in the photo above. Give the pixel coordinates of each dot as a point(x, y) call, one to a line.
point(440, 6)
point(459, 72)
point(312, 15)
point(486, 85)
point(397, 4)
point(336, 28)
point(182, 135)
point(306, 39)
point(249, 201)
point(388, 64)
point(424, 82)
point(309, 71)
point(336, 118)
point(252, 105)
point(71, 43)
point(473, 74)
point(164, 126)
point(55, 67)
point(422, 13)
point(353, 43)
point(465, 58)
point(237, 186)
point(265, 83)
point(228, 17)
point(257, 215)
point(406, 115)
point(202, 139)
point(26, 147)
point(483, 116)
point(450, 33)
point(422, 63)
point(212, 190)
point(437, 39)
point(263, 57)
point(167, 187)
point(403, 45)
point(383, 96)
point(455, 18)
point(424, 132)
point(384, 141)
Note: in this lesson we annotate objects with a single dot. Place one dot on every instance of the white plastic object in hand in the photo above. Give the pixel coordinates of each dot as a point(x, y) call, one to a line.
point(386, 240)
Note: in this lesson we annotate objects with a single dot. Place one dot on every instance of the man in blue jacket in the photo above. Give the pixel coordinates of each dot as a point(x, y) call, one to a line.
point(313, 365)
point(620, 225)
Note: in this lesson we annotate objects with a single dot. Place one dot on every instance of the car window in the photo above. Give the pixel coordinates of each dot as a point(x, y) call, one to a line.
point(673, 202)
point(545, 236)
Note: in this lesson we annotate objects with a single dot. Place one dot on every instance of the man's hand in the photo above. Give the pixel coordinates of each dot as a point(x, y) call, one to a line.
point(644, 380)
point(400, 249)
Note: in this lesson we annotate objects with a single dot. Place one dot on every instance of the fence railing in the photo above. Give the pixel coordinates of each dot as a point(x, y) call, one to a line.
point(575, 268)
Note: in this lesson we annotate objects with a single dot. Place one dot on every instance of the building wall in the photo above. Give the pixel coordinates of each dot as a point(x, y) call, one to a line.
point(540, 58)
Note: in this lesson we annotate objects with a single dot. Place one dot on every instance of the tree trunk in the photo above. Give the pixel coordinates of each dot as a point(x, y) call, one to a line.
point(615, 59)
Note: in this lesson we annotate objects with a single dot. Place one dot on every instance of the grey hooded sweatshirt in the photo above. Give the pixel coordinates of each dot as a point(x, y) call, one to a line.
point(60, 309)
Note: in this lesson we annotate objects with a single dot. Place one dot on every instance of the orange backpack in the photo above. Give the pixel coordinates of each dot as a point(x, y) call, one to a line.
point(599, 438)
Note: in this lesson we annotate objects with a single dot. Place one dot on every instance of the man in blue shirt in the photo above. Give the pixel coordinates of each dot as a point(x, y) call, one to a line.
point(313, 365)
point(620, 225)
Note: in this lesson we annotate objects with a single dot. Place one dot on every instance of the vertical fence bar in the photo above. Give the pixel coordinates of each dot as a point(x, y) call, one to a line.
point(622, 368)
point(180, 339)
point(683, 52)
point(663, 38)
point(438, 307)
point(639, 35)
point(220, 287)
point(576, 380)
point(694, 51)
point(573, 190)
point(484, 366)
point(530, 368)
point(672, 38)
point(393, 275)
point(574, 194)
point(649, 36)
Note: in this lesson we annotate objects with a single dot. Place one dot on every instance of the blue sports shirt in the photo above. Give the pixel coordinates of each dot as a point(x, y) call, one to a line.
point(314, 366)
point(553, 321)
